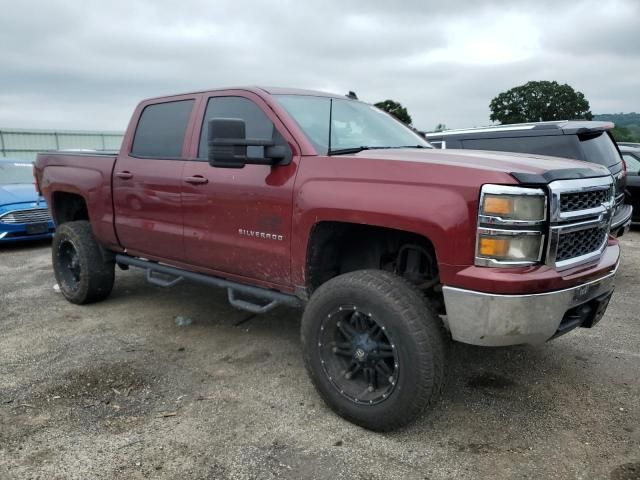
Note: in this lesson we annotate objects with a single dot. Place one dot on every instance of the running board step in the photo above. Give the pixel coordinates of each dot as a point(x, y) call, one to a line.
point(162, 282)
point(249, 306)
point(273, 298)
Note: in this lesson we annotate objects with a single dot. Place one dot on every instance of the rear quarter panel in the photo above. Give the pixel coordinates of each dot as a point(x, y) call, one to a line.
point(86, 175)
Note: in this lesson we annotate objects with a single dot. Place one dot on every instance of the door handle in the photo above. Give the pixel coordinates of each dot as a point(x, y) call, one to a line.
point(196, 180)
point(125, 175)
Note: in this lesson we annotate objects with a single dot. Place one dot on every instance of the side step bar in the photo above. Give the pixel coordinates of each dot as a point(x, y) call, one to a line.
point(273, 297)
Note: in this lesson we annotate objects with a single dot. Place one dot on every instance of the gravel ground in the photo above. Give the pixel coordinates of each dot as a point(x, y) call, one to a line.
point(119, 390)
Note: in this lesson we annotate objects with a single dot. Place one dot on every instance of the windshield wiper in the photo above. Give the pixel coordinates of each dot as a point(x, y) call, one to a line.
point(347, 151)
point(411, 146)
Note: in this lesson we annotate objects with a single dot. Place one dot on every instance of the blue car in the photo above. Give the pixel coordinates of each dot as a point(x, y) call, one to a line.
point(23, 213)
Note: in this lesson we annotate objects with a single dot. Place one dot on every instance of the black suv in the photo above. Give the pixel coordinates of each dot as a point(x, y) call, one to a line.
point(631, 155)
point(577, 139)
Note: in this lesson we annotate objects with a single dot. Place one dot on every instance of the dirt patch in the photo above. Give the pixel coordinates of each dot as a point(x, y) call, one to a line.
point(628, 471)
point(490, 380)
point(280, 460)
point(253, 357)
point(99, 382)
point(476, 448)
point(19, 422)
point(115, 397)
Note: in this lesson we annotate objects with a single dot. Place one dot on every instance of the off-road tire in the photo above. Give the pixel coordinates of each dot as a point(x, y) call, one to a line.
point(93, 275)
point(418, 333)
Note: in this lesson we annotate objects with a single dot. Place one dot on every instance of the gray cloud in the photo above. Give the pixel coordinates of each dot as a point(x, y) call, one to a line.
point(68, 64)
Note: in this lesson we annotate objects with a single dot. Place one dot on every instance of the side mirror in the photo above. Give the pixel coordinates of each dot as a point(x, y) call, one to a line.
point(227, 142)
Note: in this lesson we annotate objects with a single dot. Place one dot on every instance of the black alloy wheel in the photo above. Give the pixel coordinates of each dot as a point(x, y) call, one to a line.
point(69, 264)
point(357, 355)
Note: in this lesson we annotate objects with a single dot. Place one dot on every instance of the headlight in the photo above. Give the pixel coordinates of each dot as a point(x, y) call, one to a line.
point(509, 246)
point(506, 204)
point(510, 225)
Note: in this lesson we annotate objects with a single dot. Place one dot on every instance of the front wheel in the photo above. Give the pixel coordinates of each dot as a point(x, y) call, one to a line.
point(374, 349)
point(82, 273)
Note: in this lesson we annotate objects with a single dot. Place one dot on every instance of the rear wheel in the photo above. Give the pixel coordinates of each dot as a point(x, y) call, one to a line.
point(82, 273)
point(373, 348)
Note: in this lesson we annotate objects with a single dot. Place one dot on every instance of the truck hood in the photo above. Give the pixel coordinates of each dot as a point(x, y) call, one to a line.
point(17, 193)
point(526, 168)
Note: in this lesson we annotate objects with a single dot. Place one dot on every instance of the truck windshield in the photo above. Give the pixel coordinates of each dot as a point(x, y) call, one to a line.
point(16, 172)
point(354, 125)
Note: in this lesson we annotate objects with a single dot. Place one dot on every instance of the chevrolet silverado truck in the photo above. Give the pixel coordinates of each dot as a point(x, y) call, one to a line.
point(306, 199)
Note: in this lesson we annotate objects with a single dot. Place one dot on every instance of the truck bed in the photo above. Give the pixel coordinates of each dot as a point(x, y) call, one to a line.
point(86, 175)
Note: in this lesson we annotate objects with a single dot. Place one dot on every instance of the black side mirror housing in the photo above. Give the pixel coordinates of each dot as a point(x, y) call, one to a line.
point(224, 138)
point(227, 142)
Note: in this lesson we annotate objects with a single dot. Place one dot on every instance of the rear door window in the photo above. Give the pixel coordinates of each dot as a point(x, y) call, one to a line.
point(161, 129)
point(552, 145)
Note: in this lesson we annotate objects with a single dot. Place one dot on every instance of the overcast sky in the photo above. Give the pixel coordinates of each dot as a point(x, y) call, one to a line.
point(84, 65)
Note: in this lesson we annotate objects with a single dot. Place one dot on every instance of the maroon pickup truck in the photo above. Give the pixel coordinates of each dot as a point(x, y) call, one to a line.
point(305, 199)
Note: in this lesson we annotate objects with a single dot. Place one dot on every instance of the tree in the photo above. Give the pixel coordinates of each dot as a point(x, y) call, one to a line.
point(441, 127)
point(623, 134)
point(395, 109)
point(539, 101)
point(627, 125)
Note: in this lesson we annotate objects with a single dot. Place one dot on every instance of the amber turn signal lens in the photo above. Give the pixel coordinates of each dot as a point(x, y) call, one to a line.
point(493, 247)
point(498, 205)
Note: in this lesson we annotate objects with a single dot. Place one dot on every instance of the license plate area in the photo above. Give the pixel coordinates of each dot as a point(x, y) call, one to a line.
point(37, 228)
point(584, 292)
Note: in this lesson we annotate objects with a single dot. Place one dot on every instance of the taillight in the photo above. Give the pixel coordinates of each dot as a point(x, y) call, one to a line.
point(624, 166)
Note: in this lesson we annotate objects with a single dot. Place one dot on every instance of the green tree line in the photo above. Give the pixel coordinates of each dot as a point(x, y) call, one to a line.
point(627, 125)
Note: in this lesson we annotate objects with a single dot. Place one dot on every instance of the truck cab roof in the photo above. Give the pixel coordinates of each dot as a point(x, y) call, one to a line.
point(260, 90)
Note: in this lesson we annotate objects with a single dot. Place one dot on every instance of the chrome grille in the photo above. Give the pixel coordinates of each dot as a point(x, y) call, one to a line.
point(574, 201)
point(580, 218)
point(582, 242)
point(34, 215)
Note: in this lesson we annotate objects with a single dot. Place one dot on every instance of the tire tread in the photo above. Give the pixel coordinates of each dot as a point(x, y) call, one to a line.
point(101, 273)
point(423, 324)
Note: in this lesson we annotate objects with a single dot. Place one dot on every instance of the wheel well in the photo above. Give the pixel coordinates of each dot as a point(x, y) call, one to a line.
point(69, 207)
point(337, 247)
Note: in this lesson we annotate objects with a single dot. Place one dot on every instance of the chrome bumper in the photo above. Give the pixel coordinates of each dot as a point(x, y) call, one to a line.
point(621, 221)
point(494, 320)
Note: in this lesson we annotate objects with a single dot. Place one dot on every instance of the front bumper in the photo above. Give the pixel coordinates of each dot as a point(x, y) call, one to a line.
point(20, 231)
point(494, 320)
point(621, 221)
point(25, 221)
